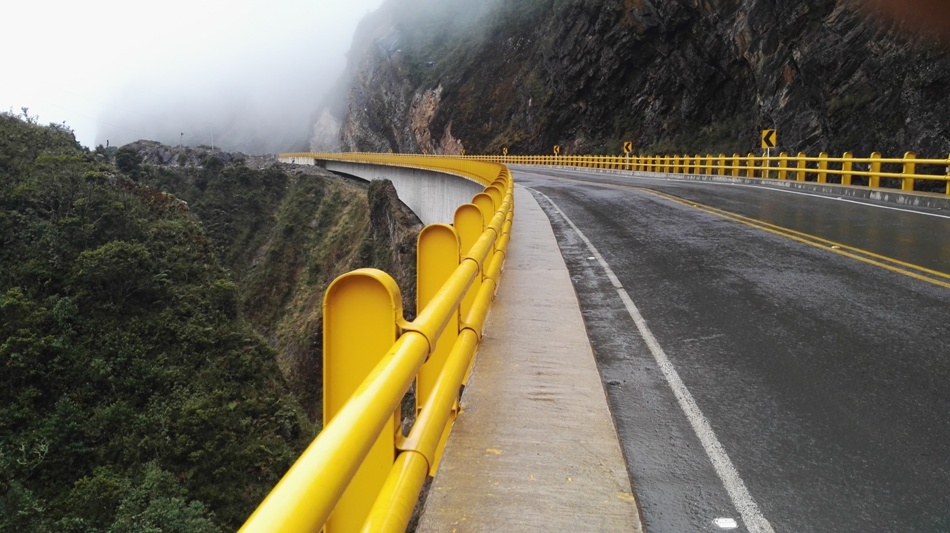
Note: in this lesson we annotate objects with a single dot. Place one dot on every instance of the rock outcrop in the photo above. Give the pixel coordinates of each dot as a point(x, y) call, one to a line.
point(693, 76)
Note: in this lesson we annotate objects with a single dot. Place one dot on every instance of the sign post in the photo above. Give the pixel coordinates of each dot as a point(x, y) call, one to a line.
point(769, 141)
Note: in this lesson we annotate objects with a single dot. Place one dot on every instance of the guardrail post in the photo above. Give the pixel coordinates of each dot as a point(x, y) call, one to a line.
point(783, 166)
point(469, 224)
point(722, 165)
point(736, 158)
point(948, 175)
point(823, 167)
point(361, 313)
point(750, 165)
point(910, 168)
point(874, 176)
point(802, 167)
point(846, 167)
point(437, 257)
point(487, 206)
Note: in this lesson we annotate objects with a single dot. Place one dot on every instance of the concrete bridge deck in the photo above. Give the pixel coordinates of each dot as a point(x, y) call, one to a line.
point(535, 448)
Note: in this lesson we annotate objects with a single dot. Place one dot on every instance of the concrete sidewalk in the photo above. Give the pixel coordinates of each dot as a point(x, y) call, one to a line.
point(535, 448)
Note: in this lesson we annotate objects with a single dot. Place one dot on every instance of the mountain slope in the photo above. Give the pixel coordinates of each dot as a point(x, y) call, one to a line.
point(133, 396)
point(680, 76)
point(285, 232)
point(161, 352)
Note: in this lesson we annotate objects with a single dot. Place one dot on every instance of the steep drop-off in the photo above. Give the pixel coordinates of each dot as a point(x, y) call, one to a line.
point(695, 76)
point(133, 395)
point(160, 325)
point(286, 232)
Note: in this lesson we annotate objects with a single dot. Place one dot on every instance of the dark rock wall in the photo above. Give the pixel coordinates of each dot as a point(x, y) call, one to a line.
point(694, 76)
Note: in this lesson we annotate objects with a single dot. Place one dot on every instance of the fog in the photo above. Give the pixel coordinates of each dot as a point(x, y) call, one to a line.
point(244, 75)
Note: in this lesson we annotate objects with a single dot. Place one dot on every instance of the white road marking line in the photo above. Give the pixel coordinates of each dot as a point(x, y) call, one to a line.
point(749, 511)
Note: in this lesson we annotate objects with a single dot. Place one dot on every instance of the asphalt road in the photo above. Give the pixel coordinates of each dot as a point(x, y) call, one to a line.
point(792, 367)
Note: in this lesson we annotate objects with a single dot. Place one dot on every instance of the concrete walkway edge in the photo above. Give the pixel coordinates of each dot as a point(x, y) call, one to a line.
point(535, 448)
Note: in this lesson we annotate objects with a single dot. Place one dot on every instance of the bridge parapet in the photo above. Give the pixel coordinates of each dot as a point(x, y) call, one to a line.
point(903, 172)
point(361, 472)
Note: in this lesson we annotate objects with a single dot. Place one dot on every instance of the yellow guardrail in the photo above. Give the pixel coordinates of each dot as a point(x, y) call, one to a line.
point(799, 167)
point(361, 473)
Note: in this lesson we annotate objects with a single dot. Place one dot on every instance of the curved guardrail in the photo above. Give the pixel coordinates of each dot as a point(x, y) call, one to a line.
point(799, 167)
point(361, 473)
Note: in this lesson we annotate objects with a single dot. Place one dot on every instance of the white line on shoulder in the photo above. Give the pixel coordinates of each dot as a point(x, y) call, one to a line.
point(754, 520)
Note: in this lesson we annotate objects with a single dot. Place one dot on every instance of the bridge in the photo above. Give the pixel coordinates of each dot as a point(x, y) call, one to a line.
point(677, 343)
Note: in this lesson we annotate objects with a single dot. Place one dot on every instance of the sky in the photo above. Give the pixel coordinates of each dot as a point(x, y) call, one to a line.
point(125, 69)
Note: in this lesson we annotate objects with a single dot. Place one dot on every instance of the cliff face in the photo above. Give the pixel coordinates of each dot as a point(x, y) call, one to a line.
point(285, 233)
point(673, 76)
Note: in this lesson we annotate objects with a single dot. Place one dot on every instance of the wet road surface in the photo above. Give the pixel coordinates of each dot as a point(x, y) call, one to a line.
point(812, 335)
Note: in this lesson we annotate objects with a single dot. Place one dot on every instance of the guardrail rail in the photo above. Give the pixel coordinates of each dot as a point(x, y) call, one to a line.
point(823, 168)
point(361, 473)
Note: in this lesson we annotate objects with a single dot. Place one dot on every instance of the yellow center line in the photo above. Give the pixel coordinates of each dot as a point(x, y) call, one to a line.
point(842, 249)
point(817, 242)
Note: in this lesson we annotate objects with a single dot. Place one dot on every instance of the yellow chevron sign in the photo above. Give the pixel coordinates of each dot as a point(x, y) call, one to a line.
point(627, 147)
point(557, 149)
point(769, 138)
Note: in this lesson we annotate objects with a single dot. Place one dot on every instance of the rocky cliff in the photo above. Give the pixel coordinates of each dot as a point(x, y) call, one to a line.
point(285, 232)
point(673, 76)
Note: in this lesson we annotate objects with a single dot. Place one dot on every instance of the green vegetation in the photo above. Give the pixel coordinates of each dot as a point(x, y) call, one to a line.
point(133, 395)
point(285, 238)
